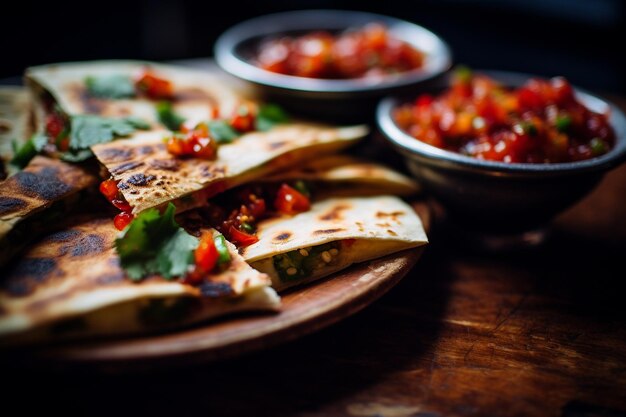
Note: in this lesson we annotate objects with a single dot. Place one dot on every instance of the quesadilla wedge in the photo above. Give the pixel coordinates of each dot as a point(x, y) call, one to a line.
point(36, 199)
point(147, 175)
point(16, 125)
point(71, 284)
point(121, 88)
point(331, 236)
point(345, 175)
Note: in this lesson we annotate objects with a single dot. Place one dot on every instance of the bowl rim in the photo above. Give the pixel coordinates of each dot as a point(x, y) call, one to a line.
point(316, 19)
point(411, 146)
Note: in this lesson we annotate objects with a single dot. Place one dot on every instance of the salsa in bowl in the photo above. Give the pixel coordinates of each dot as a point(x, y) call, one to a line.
point(332, 64)
point(507, 177)
point(541, 121)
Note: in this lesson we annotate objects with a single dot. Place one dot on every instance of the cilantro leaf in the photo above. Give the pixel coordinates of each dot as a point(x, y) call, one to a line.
point(114, 86)
point(269, 116)
point(168, 117)
point(76, 156)
point(89, 130)
point(26, 152)
point(222, 132)
point(154, 244)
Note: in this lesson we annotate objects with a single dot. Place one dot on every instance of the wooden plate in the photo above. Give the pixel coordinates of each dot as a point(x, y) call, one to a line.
point(304, 311)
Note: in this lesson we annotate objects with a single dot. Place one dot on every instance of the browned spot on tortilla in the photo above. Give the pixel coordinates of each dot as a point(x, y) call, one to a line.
point(212, 171)
point(62, 236)
point(86, 245)
point(166, 164)
point(277, 145)
point(5, 126)
point(111, 278)
point(328, 231)
point(193, 94)
point(90, 104)
point(45, 184)
point(386, 224)
point(150, 149)
point(115, 154)
point(24, 277)
point(11, 204)
point(120, 169)
point(140, 179)
point(393, 215)
point(282, 236)
point(391, 232)
point(215, 289)
point(335, 212)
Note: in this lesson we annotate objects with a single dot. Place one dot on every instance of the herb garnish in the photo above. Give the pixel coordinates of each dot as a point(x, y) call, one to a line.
point(114, 86)
point(155, 244)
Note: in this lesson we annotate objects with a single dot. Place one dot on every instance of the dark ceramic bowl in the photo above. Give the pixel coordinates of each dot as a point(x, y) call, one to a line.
point(340, 100)
point(498, 198)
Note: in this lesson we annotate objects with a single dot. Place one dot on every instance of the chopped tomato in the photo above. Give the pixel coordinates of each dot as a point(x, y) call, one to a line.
point(121, 204)
point(291, 201)
point(196, 143)
point(154, 87)
point(122, 220)
point(206, 254)
point(108, 188)
point(241, 238)
point(243, 118)
point(54, 125)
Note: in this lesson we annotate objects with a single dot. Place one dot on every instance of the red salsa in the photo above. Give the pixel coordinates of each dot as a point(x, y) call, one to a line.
point(370, 51)
point(539, 122)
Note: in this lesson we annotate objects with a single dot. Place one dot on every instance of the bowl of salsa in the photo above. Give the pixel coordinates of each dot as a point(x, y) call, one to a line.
point(505, 152)
point(330, 63)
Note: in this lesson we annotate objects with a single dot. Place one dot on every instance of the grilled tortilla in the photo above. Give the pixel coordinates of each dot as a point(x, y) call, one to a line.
point(196, 93)
point(70, 284)
point(16, 124)
point(36, 199)
point(345, 175)
point(331, 236)
point(149, 176)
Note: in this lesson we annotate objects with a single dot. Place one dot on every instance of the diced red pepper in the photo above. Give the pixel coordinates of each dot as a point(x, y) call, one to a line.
point(108, 188)
point(206, 254)
point(122, 220)
point(243, 119)
point(291, 201)
point(154, 87)
point(241, 238)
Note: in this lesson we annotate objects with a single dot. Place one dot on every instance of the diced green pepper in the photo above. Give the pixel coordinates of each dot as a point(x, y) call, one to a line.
point(563, 123)
point(302, 188)
point(222, 250)
point(598, 147)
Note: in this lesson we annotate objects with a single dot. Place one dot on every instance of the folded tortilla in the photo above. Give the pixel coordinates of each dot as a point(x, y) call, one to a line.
point(149, 176)
point(16, 124)
point(70, 284)
point(196, 93)
point(38, 199)
point(332, 235)
point(345, 175)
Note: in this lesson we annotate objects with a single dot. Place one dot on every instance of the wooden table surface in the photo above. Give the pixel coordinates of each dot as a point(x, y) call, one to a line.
point(539, 333)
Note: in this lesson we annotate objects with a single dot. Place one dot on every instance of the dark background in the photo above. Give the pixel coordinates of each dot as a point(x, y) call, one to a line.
point(546, 37)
